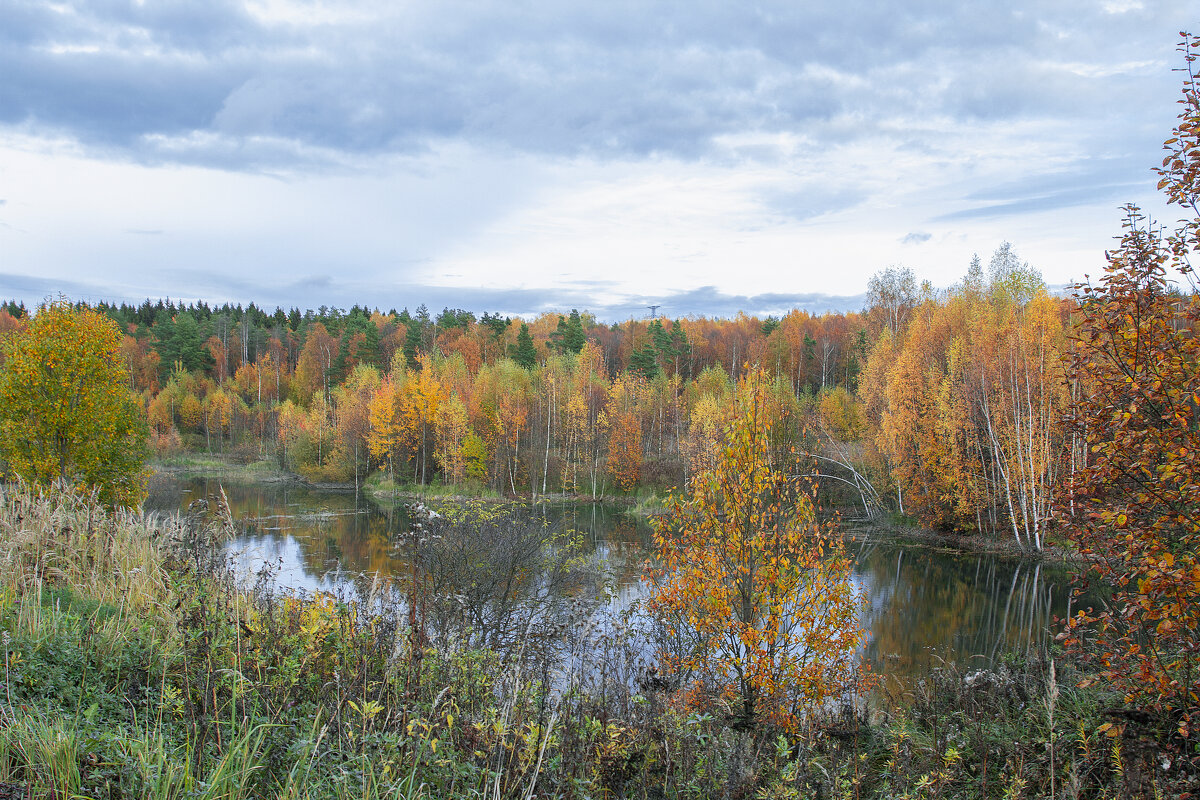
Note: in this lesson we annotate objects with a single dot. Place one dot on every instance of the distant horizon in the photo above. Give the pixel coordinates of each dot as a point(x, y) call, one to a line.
point(836, 305)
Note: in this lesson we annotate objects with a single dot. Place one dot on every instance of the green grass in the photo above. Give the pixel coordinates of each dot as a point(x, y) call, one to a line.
point(133, 666)
point(217, 466)
point(646, 502)
point(383, 490)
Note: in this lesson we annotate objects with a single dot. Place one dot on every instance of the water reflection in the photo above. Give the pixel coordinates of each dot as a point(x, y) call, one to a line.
point(922, 605)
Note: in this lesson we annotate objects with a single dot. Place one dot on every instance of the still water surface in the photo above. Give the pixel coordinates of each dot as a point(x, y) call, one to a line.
point(923, 606)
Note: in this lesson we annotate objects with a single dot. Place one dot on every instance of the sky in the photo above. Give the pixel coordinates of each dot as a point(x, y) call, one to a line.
point(522, 156)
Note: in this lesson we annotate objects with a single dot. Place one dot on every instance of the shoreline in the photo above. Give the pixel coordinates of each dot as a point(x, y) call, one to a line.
point(103, 621)
point(941, 541)
point(266, 472)
point(203, 465)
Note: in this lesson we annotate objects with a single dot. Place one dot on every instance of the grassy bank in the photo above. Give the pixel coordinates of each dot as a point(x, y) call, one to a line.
point(897, 528)
point(380, 487)
point(133, 666)
point(211, 465)
point(643, 502)
point(386, 492)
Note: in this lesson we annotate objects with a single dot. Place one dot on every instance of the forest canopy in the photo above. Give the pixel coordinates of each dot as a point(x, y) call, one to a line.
point(566, 404)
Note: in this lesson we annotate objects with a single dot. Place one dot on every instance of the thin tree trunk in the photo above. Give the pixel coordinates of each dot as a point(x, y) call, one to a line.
point(549, 419)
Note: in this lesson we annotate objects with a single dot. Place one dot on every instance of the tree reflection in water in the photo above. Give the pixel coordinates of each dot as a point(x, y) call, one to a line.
point(923, 606)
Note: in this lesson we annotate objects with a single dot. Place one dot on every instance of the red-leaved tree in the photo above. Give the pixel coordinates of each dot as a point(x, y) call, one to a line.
point(1134, 505)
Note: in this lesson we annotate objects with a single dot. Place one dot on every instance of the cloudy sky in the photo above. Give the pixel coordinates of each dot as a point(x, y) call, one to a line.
point(519, 156)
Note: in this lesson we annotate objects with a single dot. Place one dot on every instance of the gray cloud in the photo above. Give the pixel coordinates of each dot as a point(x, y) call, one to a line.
point(317, 290)
point(478, 131)
point(33, 289)
point(813, 201)
point(1049, 201)
point(1092, 181)
point(1096, 175)
point(210, 83)
point(708, 301)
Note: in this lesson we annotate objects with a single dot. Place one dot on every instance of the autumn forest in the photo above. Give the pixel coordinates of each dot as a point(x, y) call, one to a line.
point(947, 405)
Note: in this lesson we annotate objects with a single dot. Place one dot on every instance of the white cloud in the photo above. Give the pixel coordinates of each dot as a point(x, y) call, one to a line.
point(1121, 6)
point(373, 146)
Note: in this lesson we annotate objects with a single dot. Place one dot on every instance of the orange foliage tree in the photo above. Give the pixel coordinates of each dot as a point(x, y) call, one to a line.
point(625, 450)
point(452, 426)
point(352, 416)
point(753, 592)
point(315, 362)
point(142, 362)
point(384, 438)
point(1133, 508)
point(625, 441)
point(969, 401)
point(66, 410)
point(913, 429)
point(1010, 395)
point(422, 394)
point(1135, 499)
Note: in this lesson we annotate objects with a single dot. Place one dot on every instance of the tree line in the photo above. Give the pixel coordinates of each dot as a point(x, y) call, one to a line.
point(945, 405)
point(223, 378)
point(950, 406)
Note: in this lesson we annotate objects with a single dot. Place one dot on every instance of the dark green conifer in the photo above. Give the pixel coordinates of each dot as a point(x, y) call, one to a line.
point(573, 337)
point(412, 343)
point(644, 360)
point(526, 355)
point(360, 339)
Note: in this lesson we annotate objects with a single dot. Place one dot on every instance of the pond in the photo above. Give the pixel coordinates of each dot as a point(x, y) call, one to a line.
point(923, 606)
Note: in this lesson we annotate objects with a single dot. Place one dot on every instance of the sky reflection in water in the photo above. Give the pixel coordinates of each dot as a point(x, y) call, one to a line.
point(923, 606)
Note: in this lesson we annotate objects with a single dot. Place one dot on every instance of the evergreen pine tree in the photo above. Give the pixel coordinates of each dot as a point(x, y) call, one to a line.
point(180, 340)
point(526, 355)
point(680, 347)
point(362, 337)
point(559, 336)
point(644, 360)
point(412, 344)
point(573, 337)
point(662, 343)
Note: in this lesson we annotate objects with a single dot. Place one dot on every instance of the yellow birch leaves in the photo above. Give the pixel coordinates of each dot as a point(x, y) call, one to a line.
point(756, 592)
point(66, 410)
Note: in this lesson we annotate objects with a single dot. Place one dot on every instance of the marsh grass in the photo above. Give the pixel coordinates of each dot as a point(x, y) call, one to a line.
point(1019, 729)
point(134, 665)
point(385, 491)
point(239, 466)
point(647, 502)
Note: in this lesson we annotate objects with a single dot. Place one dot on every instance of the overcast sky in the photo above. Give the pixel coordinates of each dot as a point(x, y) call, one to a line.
point(524, 156)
